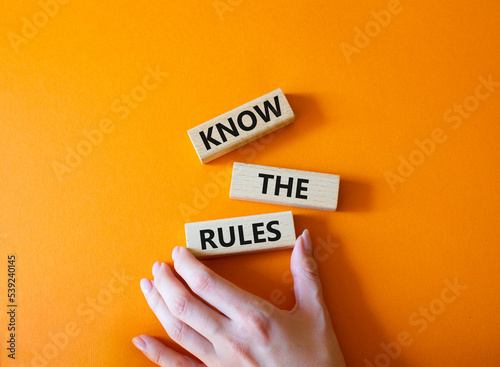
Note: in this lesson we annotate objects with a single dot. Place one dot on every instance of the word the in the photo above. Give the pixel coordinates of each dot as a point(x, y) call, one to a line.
point(288, 186)
point(283, 186)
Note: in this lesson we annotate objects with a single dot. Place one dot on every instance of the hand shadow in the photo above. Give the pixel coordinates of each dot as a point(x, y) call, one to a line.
point(357, 328)
point(361, 334)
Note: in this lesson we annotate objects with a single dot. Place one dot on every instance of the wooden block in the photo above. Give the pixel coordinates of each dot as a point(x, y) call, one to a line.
point(284, 186)
point(255, 233)
point(241, 126)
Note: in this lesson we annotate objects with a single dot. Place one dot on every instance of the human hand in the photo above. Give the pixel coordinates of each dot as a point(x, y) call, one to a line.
point(246, 330)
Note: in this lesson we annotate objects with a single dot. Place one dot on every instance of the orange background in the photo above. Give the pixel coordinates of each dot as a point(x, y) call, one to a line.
point(119, 210)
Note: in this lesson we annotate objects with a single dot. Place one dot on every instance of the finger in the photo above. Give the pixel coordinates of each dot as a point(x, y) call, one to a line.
point(229, 299)
point(160, 354)
point(178, 331)
point(306, 282)
point(187, 308)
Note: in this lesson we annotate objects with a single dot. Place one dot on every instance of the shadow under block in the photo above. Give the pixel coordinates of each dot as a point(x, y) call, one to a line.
point(241, 126)
point(231, 236)
point(284, 186)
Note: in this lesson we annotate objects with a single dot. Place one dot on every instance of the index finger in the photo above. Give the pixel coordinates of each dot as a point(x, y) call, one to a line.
point(229, 299)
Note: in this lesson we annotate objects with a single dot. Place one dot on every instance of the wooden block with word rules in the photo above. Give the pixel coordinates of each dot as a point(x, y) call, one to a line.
point(241, 126)
point(231, 236)
point(283, 186)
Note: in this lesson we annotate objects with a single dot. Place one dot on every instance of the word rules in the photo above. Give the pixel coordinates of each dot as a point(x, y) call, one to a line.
point(255, 233)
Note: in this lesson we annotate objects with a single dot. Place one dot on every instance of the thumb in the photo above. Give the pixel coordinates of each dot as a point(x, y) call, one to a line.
point(306, 282)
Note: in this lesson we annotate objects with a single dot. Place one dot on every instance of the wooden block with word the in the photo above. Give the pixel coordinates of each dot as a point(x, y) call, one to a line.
point(231, 236)
point(284, 186)
point(240, 126)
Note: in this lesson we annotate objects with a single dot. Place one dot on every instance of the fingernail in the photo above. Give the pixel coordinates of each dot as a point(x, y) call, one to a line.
point(139, 343)
point(307, 241)
point(175, 252)
point(156, 266)
point(146, 286)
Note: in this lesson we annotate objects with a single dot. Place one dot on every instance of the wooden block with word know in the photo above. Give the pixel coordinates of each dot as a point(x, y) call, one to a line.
point(240, 126)
point(231, 236)
point(284, 186)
